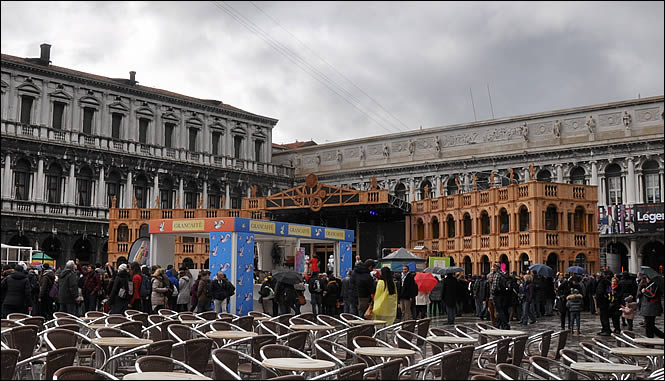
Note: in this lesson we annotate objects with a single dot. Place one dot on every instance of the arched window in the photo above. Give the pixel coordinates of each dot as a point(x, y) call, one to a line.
point(613, 179)
point(435, 227)
point(504, 259)
point(551, 218)
point(451, 186)
point(553, 261)
point(54, 184)
point(524, 263)
point(504, 221)
point(141, 191)
point(651, 179)
point(578, 176)
point(400, 191)
point(505, 180)
point(484, 223)
point(420, 229)
point(123, 233)
point(191, 195)
point(580, 260)
point(484, 264)
point(450, 223)
point(188, 263)
point(166, 192)
point(467, 225)
point(544, 175)
point(425, 185)
point(113, 183)
point(22, 173)
point(206, 265)
point(84, 187)
point(483, 182)
point(524, 218)
point(144, 231)
point(578, 220)
point(468, 267)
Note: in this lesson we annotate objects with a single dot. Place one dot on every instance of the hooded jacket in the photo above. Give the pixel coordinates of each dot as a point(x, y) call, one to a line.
point(451, 291)
point(17, 289)
point(575, 302)
point(45, 283)
point(172, 278)
point(68, 289)
point(119, 305)
point(184, 294)
point(408, 289)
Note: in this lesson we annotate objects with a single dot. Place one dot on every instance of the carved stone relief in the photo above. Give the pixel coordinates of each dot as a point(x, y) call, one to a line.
point(542, 128)
point(647, 114)
point(501, 133)
point(328, 156)
point(375, 150)
point(460, 139)
point(351, 153)
point(611, 119)
point(574, 125)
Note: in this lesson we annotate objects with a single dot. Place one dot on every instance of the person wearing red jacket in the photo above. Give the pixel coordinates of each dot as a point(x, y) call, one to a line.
point(135, 273)
point(92, 284)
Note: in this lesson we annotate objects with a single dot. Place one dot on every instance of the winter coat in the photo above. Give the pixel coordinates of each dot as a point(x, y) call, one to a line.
point(437, 292)
point(628, 288)
point(575, 302)
point(408, 289)
point(312, 283)
point(92, 283)
point(333, 290)
point(45, 283)
point(628, 311)
point(529, 292)
point(364, 283)
point(602, 299)
point(184, 294)
point(68, 289)
point(345, 289)
point(650, 300)
point(539, 282)
point(450, 291)
point(172, 278)
point(285, 294)
point(217, 289)
point(202, 293)
point(158, 294)
point(118, 304)
point(17, 289)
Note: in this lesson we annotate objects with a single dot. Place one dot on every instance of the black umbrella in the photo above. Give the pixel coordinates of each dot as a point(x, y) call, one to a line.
point(653, 275)
point(541, 269)
point(451, 270)
point(433, 270)
point(287, 276)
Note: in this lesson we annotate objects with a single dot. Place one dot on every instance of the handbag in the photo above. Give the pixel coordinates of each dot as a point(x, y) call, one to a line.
point(369, 312)
point(301, 300)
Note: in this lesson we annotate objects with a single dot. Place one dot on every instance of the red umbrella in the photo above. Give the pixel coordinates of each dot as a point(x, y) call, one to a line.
point(425, 281)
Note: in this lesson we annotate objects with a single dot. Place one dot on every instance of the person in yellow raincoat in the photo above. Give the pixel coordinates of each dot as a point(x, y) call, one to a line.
point(385, 298)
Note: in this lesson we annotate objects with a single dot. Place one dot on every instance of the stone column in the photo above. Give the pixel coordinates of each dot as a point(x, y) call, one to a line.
point(101, 189)
point(630, 182)
point(640, 192)
point(601, 191)
point(70, 194)
point(249, 191)
point(634, 266)
point(437, 187)
point(527, 175)
point(204, 205)
point(662, 189)
point(559, 173)
point(181, 193)
point(129, 191)
point(39, 182)
point(7, 178)
point(155, 192)
point(227, 200)
point(412, 194)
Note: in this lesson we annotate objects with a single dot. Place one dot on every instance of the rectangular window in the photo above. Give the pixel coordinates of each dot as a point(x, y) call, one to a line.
point(116, 123)
point(214, 201)
point(190, 200)
point(236, 202)
point(652, 187)
point(113, 189)
point(21, 185)
point(88, 115)
point(168, 135)
point(84, 192)
point(143, 130)
point(140, 194)
point(237, 147)
point(165, 196)
point(216, 137)
point(58, 115)
point(614, 190)
point(193, 132)
point(258, 147)
point(26, 109)
point(53, 189)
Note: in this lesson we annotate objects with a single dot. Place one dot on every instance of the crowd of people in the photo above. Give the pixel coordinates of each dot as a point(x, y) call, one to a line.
point(499, 297)
point(77, 289)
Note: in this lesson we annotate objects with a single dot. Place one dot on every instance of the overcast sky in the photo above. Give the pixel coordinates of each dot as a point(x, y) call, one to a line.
point(415, 60)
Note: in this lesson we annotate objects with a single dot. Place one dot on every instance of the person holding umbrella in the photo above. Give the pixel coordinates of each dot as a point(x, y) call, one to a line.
point(650, 306)
point(450, 295)
point(426, 283)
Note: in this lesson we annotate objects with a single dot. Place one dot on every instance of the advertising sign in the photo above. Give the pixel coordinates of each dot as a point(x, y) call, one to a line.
point(616, 219)
point(139, 252)
point(300, 260)
point(649, 218)
point(439, 262)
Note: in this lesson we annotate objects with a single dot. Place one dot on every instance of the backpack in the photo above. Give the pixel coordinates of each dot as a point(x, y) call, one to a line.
point(208, 288)
point(230, 289)
point(53, 292)
point(169, 288)
point(144, 291)
point(502, 285)
point(315, 286)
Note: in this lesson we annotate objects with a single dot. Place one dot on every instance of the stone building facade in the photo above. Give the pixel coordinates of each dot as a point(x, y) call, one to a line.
point(72, 142)
point(617, 146)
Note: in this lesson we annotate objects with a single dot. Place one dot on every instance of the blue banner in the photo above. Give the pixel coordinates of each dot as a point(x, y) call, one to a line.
point(245, 274)
point(345, 258)
point(292, 230)
point(220, 253)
